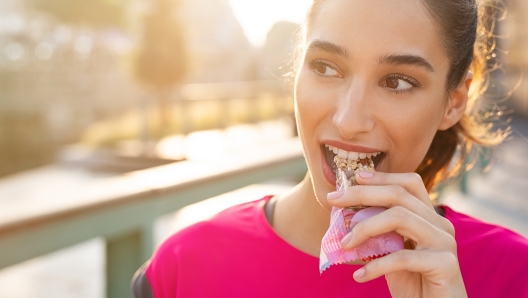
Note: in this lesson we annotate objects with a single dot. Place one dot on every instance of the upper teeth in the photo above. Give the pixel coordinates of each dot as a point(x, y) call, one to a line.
point(350, 154)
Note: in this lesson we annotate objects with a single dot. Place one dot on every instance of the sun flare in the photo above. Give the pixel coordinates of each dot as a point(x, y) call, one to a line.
point(258, 16)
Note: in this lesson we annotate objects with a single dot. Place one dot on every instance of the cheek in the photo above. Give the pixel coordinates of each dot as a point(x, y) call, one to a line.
point(312, 105)
point(412, 133)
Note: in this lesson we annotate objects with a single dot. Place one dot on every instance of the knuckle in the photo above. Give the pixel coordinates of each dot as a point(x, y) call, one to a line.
point(415, 178)
point(362, 232)
point(454, 259)
point(358, 191)
point(448, 226)
point(449, 261)
point(399, 191)
point(451, 244)
point(358, 229)
point(400, 214)
point(355, 194)
point(402, 256)
point(383, 177)
point(354, 191)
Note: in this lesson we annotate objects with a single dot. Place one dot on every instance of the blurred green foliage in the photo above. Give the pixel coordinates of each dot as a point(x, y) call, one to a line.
point(96, 13)
point(160, 62)
point(161, 58)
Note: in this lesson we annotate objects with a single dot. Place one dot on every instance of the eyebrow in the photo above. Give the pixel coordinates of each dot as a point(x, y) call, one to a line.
point(392, 59)
point(328, 47)
point(406, 59)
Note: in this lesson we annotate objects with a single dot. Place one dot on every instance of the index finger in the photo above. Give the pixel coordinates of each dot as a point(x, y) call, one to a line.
point(411, 182)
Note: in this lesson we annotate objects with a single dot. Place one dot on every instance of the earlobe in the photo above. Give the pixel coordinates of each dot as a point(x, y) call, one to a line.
point(457, 102)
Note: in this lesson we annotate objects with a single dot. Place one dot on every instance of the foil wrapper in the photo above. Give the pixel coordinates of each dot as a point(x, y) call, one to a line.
point(342, 220)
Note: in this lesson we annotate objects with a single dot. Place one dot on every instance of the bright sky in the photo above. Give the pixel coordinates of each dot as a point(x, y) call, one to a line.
point(257, 16)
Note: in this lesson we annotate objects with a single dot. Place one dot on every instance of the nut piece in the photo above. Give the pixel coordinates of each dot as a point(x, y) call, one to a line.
point(345, 175)
point(346, 169)
point(360, 164)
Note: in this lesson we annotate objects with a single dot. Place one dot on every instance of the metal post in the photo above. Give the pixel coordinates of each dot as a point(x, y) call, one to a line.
point(124, 255)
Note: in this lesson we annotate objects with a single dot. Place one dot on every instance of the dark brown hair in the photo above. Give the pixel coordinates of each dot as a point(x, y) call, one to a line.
point(466, 29)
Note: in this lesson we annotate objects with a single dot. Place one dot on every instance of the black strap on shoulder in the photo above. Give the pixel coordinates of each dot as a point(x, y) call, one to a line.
point(269, 209)
point(140, 285)
point(439, 210)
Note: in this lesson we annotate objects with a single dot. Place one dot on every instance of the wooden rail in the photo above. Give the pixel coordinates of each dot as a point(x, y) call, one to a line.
point(123, 209)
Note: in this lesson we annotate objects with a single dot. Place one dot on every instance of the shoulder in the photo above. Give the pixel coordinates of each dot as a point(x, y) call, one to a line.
point(485, 249)
point(182, 260)
point(238, 219)
point(233, 221)
point(472, 231)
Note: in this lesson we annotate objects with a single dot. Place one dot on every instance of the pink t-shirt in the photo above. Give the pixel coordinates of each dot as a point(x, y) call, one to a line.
point(237, 254)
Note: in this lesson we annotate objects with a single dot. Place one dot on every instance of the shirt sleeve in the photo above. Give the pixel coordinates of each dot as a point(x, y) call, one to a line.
point(161, 271)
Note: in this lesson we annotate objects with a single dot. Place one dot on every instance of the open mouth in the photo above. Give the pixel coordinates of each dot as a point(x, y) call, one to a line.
point(360, 157)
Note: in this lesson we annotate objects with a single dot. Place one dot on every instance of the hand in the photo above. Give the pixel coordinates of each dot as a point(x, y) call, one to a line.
point(431, 269)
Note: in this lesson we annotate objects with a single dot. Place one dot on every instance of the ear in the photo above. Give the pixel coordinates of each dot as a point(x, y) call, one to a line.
point(457, 102)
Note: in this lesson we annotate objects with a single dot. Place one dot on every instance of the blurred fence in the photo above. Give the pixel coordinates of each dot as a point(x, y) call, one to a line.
point(31, 135)
point(123, 209)
point(229, 103)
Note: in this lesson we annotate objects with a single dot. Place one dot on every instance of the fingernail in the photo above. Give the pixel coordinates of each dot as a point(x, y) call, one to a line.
point(366, 174)
point(334, 195)
point(359, 273)
point(346, 239)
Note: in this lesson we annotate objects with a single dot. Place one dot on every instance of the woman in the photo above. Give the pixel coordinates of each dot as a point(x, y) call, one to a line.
point(395, 79)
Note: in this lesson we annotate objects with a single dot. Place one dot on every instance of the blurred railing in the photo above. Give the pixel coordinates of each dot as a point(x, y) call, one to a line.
point(104, 109)
point(233, 102)
point(123, 209)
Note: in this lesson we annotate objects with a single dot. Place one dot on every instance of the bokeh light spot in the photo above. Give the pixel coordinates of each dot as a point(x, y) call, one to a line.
point(14, 51)
point(44, 51)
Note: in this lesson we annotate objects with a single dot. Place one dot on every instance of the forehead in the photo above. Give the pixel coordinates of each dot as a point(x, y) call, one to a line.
point(379, 27)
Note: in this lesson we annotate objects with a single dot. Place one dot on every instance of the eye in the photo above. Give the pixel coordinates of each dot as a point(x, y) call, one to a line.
point(323, 68)
point(399, 83)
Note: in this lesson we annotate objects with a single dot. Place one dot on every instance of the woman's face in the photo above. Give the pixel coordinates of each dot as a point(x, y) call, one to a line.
point(372, 79)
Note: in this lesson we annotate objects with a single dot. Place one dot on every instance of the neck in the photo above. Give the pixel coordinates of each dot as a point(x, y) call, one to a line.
point(300, 219)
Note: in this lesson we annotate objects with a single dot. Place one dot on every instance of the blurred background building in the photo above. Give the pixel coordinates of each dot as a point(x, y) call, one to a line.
point(97, 72)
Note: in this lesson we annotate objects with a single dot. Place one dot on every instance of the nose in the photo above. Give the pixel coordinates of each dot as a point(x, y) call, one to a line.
point(354, 111)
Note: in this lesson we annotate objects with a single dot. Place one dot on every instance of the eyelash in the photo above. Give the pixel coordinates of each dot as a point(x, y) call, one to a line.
point(313, 64)
point(409, 80)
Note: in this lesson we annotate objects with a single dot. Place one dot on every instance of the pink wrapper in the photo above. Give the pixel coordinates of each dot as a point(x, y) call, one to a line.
point(342, 220)
point(341, 223)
